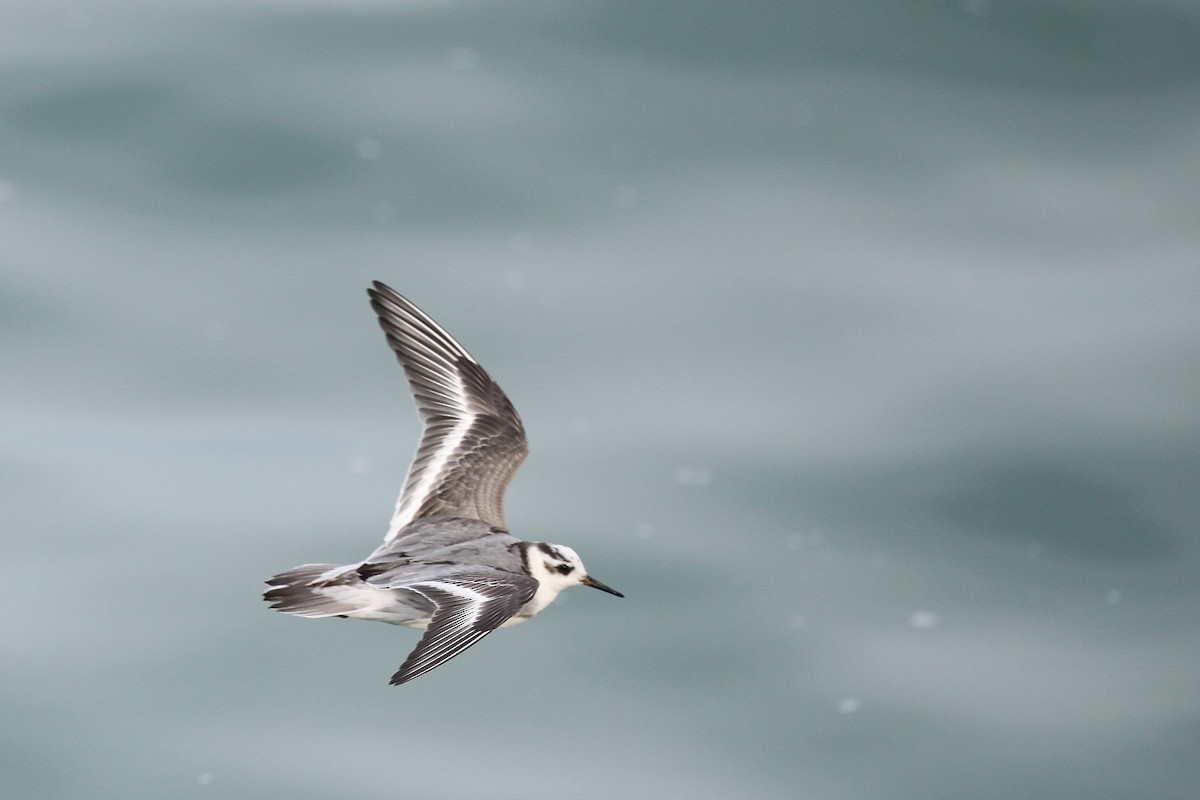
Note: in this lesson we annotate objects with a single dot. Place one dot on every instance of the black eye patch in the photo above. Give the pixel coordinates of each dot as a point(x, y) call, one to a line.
point(563, 569)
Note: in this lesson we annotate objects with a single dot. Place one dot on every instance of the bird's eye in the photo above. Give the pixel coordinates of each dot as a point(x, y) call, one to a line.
point(564, 569)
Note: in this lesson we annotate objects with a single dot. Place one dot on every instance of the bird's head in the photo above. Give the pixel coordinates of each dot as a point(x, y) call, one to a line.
point(557, 566)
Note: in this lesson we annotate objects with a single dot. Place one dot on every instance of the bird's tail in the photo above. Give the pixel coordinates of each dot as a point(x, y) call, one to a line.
point(310, 590)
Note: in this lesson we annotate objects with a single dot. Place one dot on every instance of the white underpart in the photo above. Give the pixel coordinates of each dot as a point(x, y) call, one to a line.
point(382, 605)
point(546, 592)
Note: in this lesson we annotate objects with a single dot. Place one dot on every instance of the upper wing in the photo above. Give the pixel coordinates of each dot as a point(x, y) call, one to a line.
point(473, 440)
point(469, 606)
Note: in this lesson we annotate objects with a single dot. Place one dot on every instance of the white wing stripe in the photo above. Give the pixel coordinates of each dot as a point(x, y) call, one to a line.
point(409, 502)
point(472, 439)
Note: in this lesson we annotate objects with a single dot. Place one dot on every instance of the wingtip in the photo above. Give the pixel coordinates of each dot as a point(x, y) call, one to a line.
point(384, 298)
point(404, 673)
point(377, 288)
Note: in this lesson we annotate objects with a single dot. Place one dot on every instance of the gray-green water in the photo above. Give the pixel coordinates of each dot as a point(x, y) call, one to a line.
point(858, 344)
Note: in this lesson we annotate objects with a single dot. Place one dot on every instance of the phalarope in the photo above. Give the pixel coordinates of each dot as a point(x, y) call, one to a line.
point(447, 564)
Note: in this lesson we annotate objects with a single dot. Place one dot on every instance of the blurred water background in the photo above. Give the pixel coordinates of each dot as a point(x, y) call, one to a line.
point(858, 344)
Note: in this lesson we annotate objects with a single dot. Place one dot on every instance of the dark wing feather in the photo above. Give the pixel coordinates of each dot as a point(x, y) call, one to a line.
point(469, 607)
point(473, 441)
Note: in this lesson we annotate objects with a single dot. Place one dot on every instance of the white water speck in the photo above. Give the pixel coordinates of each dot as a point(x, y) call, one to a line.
point(924, 620)
point(797, 621)
point(644, 530)
point(1112, 596)
point(205, 778)
point(360, 465)
point(8, 190)
point(848, 705)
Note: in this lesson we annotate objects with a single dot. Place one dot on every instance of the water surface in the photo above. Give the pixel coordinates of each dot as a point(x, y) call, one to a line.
point(857, 345)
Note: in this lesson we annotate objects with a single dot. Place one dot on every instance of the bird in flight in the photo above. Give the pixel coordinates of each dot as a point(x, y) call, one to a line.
point(448, 564)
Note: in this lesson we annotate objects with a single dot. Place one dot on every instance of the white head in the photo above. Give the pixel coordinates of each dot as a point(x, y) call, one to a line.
point(556, 567)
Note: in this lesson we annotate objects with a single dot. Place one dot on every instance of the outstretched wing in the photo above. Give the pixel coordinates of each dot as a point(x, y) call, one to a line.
point(469, 606)
point(473, 440)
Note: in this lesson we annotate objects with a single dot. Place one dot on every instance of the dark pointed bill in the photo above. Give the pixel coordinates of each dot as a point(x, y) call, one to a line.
point(595, 584)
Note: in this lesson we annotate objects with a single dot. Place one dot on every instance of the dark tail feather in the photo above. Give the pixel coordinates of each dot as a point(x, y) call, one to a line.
point(294, 592)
